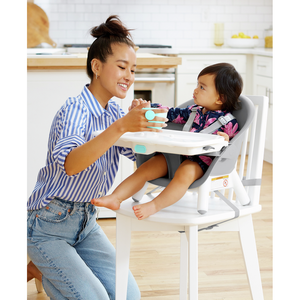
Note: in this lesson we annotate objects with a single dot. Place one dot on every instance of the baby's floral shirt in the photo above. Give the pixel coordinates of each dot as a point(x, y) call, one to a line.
point(201, 121)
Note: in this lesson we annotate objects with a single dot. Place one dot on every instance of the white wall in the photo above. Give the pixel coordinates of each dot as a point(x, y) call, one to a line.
point(180, 23)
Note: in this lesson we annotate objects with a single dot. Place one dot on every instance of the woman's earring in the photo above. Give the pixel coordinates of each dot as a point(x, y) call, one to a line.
point(96, 76)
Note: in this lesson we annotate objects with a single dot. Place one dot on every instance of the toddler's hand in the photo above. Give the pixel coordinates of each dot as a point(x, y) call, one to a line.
point(224, 135)
point(137, 102)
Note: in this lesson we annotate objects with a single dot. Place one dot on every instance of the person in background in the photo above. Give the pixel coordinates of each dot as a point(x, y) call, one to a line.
point(218, 89)
point(70, 253)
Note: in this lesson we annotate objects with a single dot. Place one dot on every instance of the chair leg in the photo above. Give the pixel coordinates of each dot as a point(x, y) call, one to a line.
point(139, 195)
point(183, 266)
point(248, 244)
point(192, 239)
point(123, 238)
point(203, 197)
point(239, 189)
point(39, 286)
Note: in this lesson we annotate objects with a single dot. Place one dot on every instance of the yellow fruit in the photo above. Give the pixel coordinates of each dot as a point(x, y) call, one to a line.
point(241, 35)
point(247, 37)
point(234, 36)
point(255, 37)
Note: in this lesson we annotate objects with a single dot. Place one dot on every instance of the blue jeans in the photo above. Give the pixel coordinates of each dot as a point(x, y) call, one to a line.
point(73, 253)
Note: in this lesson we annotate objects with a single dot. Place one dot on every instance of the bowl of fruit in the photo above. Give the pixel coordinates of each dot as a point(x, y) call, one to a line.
point(243, 41)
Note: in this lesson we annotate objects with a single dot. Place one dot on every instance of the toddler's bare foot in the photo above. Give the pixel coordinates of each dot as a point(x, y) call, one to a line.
point(109, 201)
point(143, 211)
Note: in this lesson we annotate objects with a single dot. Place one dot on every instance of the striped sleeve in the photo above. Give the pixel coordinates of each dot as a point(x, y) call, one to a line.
point(128, 153)
point(71, 132)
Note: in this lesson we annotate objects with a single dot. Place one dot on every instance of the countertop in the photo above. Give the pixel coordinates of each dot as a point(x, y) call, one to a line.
point(144, 60)
point(78, 61)
point(227, 50)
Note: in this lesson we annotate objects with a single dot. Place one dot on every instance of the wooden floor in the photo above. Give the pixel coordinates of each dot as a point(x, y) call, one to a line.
point(154, 259)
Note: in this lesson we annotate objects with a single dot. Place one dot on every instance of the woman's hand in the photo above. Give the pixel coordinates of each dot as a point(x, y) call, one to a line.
point(135, 120)
point(224, 135)
point(137, 102)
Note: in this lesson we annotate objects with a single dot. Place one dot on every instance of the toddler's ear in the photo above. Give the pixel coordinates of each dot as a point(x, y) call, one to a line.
point(220, 100)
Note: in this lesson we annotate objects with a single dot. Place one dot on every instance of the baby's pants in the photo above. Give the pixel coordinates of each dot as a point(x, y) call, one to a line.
point(73, 253)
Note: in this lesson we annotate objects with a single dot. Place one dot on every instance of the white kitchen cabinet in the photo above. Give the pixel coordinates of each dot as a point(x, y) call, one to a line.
point(47, 90)
point(191, 66)
point(263, 85)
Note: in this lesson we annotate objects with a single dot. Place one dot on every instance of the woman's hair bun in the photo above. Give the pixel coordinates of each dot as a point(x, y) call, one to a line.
point(112, 27)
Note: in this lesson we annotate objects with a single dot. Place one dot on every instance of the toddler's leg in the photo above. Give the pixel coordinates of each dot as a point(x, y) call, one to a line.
point(185, 175)
point(154, 168)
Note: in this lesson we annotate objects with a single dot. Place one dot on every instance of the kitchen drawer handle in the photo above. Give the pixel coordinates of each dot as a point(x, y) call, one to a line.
point(269, 94)
point(262, 66)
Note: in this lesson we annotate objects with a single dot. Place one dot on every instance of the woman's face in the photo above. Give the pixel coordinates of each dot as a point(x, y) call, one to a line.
point(117, 73)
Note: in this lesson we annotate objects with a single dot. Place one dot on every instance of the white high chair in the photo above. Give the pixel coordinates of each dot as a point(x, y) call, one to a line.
point(221, 173)
point(227, 215)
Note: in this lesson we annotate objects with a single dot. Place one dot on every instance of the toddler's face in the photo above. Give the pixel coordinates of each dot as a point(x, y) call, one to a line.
point(205, 94)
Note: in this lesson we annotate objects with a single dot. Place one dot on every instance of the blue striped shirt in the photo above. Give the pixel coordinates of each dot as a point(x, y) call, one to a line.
point(73, 125)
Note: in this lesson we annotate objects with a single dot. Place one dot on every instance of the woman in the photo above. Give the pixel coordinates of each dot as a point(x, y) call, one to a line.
point(65, 243)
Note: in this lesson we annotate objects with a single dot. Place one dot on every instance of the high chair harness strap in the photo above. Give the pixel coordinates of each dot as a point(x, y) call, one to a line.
point(223, 120)
point(189, 123)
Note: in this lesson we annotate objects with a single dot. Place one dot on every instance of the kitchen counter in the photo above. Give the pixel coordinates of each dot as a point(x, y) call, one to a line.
point(78, 61)
point(221, 50)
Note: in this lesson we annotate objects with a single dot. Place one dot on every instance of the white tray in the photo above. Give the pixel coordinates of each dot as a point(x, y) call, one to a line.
point(171, 141)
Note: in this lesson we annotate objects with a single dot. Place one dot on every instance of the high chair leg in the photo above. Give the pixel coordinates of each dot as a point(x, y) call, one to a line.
point(247, 239)
point(203, 197)
point(123, 238)
point(139, 195)
point(183, 266)
point(192, 240)
point(239, 189)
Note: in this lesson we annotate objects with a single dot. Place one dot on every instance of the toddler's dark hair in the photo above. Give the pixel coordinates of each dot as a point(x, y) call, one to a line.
point(228, 82)
point(106, 34)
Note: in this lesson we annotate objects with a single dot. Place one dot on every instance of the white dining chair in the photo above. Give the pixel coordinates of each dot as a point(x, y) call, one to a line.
point(222, 214)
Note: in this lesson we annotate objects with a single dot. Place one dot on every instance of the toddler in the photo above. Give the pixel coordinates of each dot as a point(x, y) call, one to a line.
point(218, 89)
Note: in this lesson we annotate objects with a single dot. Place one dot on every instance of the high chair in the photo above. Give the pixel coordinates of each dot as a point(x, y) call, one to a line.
point(216, 213)
point(221, 173)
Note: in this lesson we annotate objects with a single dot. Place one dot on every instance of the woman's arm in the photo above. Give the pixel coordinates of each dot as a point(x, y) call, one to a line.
point(83, 156)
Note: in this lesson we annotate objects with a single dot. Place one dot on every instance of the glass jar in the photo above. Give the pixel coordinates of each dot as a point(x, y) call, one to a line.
point(219, 34)
point(269, 37)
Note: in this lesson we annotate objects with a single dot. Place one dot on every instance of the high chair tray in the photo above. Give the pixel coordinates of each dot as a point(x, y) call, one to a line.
point(171, 141)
